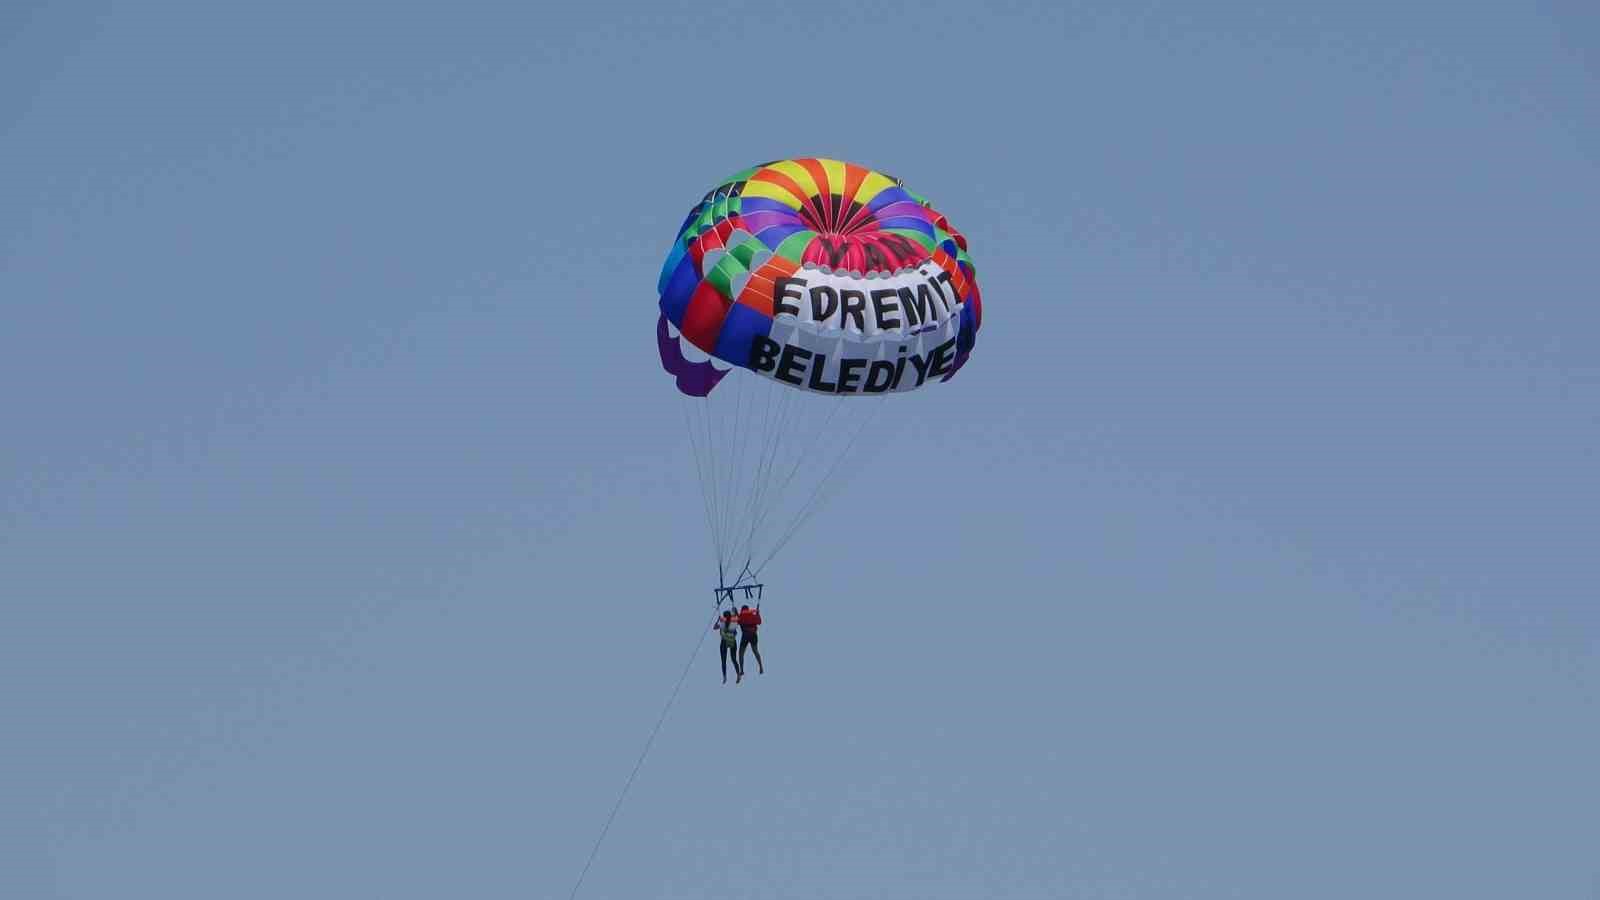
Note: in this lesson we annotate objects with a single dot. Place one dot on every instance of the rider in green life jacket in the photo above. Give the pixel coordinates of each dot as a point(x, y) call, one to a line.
point(730, 640)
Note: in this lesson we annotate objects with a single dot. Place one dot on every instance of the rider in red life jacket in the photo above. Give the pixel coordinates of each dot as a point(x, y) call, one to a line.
point(749, 625)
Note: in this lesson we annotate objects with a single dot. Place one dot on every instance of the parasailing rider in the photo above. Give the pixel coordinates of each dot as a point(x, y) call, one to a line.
point(724, 627)
point(749, 624)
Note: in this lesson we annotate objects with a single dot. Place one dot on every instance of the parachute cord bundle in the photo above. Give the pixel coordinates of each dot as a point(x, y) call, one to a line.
point(815, 501)
point(765, 464)
point(649, 742)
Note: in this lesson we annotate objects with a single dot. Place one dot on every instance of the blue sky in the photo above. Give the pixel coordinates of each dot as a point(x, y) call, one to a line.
point(350, 543)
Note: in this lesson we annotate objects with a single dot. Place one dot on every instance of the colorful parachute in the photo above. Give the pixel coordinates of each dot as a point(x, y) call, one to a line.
point(817, 277)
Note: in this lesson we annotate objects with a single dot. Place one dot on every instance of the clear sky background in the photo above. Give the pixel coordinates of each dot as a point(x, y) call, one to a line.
point(349, 542)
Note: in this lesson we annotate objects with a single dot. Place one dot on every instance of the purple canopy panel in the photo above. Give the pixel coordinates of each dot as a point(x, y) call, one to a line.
point(694, 378)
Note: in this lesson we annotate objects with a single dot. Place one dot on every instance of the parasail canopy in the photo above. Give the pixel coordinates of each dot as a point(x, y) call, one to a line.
point(819, 279)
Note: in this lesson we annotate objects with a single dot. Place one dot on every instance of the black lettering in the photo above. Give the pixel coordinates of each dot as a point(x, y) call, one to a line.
point(817, 368)
point(876, 261)
point(835, 248)
point(899, 369)
point(940, 361)
point(921, 365)
point(763, 354)
point(820, 313)
point(847, 374)
point(899, 245)
point(945, 277)
point(791, 363)
point(854, 303)
point(879, 367)
point(883, 310)
point(916, 307)
point(939, 292)
point(781, 291)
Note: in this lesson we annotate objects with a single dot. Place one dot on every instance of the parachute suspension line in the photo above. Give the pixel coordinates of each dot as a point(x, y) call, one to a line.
point(728, 431)
point(699, 469)
point(709, 485)
point(758, 457)
point(770, 431)
point(793, 465)
point(736, 467)
point(739, 441)
point(711, 468)
point(759, 510)
point(811, 505)
point(728, 470)
point(799, 461)
point(605, 829)
point(775, 430)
